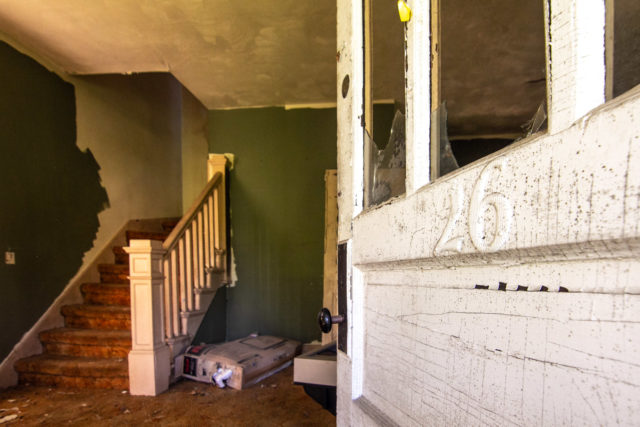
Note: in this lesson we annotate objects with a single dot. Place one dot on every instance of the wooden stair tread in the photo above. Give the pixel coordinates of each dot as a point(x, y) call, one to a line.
point(93, 310)
point(91, 316)
point(52, 364)
point(87, 336)
point(87, 342)
point(106, 293)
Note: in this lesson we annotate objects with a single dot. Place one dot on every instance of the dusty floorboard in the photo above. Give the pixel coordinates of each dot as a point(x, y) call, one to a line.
point(275, 401)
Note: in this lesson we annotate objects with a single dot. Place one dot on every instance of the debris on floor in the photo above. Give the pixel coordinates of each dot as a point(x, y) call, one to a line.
point(285, 404)
point(240, 363)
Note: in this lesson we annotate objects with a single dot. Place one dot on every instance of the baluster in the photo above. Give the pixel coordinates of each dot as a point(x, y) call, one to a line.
point(196, 266)
point(174, 290)
point(167, 300)
point(205, 233)
point(183, 284)
point(217, 213)
point(211, 234)
point(189, 263)
point(200, 271)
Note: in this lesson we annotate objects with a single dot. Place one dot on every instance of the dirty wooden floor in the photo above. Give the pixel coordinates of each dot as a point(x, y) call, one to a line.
point(273, 402)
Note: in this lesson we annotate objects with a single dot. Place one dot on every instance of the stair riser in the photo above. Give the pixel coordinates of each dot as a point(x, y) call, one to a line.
point(107, 352)
point(118, 382)
point(111, 297)
point(169, 225)
point(109, 277)
point(97, 323)
point(121, 259)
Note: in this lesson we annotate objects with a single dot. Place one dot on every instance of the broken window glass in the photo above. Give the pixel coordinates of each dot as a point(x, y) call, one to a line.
point(491, 61)
point(389, 163)
point(384, 102)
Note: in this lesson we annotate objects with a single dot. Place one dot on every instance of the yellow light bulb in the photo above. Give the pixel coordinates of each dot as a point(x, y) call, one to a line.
point(404, 10)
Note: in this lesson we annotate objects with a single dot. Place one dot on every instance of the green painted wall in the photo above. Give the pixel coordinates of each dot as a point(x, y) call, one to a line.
point(277, 216)
point(51, 192)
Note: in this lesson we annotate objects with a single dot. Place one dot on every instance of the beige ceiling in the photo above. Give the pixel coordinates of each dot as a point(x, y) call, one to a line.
point(233, 53)
point(228, 53)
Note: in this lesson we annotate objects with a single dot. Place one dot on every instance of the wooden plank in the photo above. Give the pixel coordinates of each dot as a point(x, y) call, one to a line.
point(576, 60)
point(467, 357)
point(183, 277)
point(196, 258)
point(609, 33)
point(168, 329)
point(330, 276)
point(574, 201)
point(201, 255)
point(368, 100)
point(435, 89)
point(189, 267)
point(205, 236)
point(418, 97)
point(350, 63)
point(175, 295)
point(213, 231)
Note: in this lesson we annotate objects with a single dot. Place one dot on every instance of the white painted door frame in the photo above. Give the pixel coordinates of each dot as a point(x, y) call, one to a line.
point(559, 211)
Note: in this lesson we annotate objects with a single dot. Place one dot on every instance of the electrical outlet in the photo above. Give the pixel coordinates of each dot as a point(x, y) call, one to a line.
point(9, 257)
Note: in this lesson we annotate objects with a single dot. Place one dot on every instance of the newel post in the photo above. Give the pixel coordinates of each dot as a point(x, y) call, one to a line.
point(149, 359)
point(218, 163)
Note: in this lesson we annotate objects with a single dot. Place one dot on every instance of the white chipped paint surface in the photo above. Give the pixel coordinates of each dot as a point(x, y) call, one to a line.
point(571, 199)
point(349, 109)
point(558, 211)
point(552, 213)
point(577, 69)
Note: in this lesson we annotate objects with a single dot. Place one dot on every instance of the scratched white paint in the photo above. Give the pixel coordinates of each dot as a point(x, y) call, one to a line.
point(469, 357)
point(577, 68)
point(350, 133)
point(418, 96)
point(350, 160)
point(552, 213)
point(569, 196)
point(573, 200)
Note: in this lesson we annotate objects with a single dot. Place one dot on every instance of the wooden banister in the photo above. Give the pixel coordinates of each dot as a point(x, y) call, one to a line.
point(187, 218)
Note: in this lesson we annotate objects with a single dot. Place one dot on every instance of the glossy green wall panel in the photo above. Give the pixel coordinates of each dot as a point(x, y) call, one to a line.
point(277, 215)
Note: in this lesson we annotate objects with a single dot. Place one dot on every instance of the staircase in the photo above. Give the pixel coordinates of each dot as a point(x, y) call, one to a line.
point(91, 350)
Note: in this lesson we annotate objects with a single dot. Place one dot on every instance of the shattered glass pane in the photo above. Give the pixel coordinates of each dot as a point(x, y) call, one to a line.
point(389, 169)
point(448, 162)
point(537, 121)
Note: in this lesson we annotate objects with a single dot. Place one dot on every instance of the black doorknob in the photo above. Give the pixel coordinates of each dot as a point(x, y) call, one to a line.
point(325, 320)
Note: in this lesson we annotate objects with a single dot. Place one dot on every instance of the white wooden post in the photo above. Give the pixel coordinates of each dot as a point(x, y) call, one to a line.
point(218, 163)
point(418, 89)
point(575, 60)
point(149, 359)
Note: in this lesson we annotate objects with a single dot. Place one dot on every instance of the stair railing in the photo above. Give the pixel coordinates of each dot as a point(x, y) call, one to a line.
point(173, 282)
point(194, 251)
